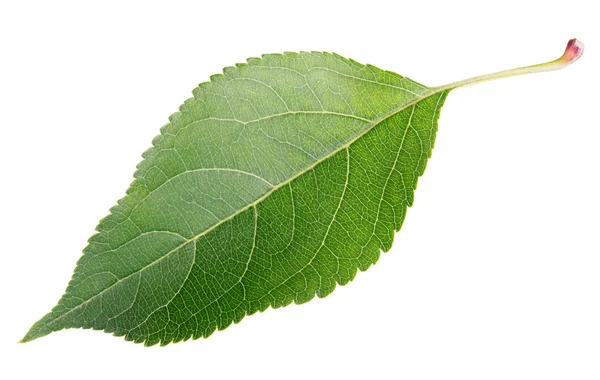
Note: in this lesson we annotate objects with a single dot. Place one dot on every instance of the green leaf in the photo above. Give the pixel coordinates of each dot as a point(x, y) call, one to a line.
point(277, 181)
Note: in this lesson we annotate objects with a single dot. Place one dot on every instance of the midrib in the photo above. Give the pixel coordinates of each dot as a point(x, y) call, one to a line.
point(374, 123)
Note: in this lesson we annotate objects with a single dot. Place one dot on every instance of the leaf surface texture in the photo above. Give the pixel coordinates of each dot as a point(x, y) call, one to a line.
point(279, 179)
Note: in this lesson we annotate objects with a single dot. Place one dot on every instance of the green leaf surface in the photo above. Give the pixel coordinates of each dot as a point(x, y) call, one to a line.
point(278, 180)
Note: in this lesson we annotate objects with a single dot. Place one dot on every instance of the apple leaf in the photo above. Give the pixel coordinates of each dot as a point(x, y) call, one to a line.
point(277, 181)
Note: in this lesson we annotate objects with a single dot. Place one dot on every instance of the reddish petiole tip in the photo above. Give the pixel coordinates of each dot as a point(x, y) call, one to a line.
point(573, 51)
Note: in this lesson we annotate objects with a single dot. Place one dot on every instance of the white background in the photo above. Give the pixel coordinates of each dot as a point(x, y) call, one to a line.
point(495, 274)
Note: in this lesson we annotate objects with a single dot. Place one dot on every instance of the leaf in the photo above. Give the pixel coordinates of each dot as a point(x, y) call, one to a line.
point(278, 180)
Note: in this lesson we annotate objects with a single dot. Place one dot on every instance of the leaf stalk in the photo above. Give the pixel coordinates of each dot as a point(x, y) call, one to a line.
point(573, 51)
